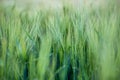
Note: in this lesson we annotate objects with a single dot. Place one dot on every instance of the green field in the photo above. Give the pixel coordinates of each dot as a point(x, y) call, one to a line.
point(71, 44)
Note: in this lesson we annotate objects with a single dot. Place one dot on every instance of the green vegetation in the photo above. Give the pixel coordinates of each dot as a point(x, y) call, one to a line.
point(67, 45)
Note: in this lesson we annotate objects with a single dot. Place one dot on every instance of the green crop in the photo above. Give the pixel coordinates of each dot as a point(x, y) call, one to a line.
point(70, 44)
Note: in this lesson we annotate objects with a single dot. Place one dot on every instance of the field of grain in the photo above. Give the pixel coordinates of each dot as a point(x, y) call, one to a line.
point(66, 42)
